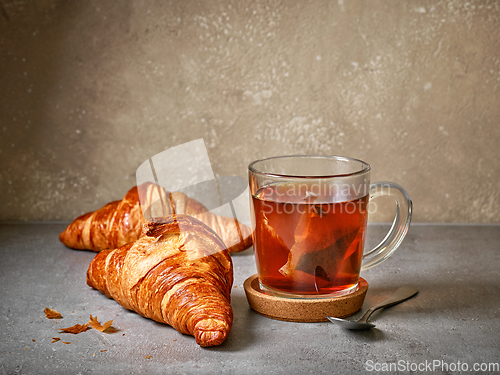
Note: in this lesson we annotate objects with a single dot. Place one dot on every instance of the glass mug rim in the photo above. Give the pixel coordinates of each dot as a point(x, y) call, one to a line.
point(365, 166)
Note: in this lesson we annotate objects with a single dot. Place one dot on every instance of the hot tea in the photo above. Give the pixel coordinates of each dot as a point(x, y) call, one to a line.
point(309, 214)
point(308, 241)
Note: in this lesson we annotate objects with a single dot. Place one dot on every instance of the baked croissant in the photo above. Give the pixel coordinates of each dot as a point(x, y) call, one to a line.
point(178, 273)
point(120, 222)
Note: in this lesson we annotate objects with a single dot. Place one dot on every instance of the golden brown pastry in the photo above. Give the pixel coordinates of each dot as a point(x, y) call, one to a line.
point(120, 222)
point(179, 273)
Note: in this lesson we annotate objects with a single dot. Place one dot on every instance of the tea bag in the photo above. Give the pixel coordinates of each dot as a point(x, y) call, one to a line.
point(269, 234)
point(317, 255)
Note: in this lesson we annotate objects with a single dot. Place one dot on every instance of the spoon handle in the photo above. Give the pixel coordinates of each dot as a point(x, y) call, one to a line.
point(398, 296)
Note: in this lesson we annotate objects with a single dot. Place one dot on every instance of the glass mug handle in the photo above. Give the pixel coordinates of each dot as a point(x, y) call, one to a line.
point(399, 226)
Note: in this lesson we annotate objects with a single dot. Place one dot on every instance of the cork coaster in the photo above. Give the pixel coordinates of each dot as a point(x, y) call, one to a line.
point(303, 310)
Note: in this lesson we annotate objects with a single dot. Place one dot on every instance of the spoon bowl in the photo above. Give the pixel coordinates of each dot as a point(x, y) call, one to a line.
point(349, 324)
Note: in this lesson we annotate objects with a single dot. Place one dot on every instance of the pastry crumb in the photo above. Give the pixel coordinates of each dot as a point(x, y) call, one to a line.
point(96, 325)
point(76, 329)
point(52, 314)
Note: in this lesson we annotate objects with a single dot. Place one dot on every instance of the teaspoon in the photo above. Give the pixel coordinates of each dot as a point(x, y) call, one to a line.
point(400, 295)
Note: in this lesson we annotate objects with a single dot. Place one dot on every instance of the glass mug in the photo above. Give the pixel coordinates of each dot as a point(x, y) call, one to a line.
point(309, 219)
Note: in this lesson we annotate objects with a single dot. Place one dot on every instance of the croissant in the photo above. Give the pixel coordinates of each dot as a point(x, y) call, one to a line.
point(179, 273)
point(120, 222)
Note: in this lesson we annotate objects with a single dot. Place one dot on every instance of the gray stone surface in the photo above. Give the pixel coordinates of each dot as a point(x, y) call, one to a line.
point(455, 317)
point(89, 90)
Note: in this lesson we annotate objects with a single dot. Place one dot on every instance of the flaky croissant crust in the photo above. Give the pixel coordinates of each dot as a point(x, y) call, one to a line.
point(120, 222)
point(178, 273)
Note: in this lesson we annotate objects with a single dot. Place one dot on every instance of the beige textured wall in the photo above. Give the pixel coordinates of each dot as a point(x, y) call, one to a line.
point(91, 89)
